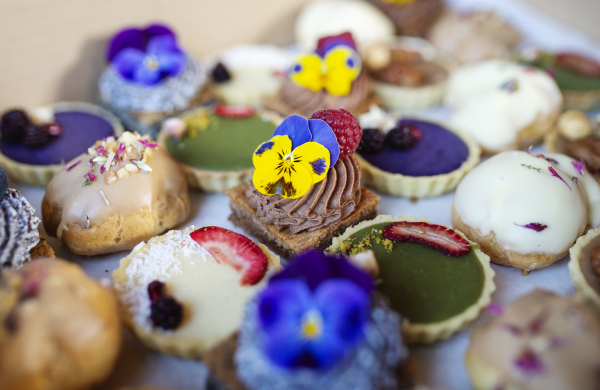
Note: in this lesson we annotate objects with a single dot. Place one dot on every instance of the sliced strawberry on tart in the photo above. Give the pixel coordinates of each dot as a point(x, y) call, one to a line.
point(185, 291)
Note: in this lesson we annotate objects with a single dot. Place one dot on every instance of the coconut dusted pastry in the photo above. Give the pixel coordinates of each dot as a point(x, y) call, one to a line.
point(122, 191)
point(525, 210)
point(541, 341)
point(59, 329)
point(184, 292)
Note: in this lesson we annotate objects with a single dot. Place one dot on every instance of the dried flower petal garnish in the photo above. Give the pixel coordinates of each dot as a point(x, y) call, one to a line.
point(73, 165)
point(510, 86)
point(528, 363)
point(538, 227)
point(495, 309)
point(578, 165)
point(555, 174)
point(575, 180)
point(532, 167)
point(89, 178)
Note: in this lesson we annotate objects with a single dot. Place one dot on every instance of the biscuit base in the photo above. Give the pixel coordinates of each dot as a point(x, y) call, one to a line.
point(42, 249)
point(285, 243)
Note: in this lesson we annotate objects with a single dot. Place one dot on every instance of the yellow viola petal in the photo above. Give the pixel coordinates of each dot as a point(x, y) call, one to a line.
point(315, 158)
point(307, 71)
point(272, 151)
point(342, 67)
point(290, 180)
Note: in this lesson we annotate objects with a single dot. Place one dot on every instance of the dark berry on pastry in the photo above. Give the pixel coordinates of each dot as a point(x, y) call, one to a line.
point(220, 74)
point(12, 125)
point(36, 136)
point(166, 313)
point(403, 137)
point(372, 141)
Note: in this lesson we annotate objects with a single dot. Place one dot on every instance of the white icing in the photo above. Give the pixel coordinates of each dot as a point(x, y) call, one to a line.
point(376, 118)
point(489, 113)
point(501, 193)
point(331, 17)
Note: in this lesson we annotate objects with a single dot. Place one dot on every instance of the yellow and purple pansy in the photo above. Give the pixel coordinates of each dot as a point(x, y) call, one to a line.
point(298, 155)
point(333, 67)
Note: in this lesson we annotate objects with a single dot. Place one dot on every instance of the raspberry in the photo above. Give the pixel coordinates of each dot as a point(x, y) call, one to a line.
point(345, 126)
point(35, 136)
point(156, 290)
point(403, 137)
point(166, 313)
point(220, 73)
point(13, 125)
point(372, 141)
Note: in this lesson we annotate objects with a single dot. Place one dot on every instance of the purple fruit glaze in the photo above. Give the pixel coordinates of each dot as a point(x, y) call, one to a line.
point(80, 131)
point(438, 151)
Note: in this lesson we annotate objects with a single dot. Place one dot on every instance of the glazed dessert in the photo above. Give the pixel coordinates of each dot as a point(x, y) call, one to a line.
point(122, 191)
point(305, 189)
point(432, 275)
point(36, 145)
point(166, 287)
point(577, 76)
point(331, 77)
point(317, 324)
point(365, 22)
point(526, 210)
point(59, 329)
point(411, 17)
point(503, 105)
point(541, 341)
point(474, 36)
point(246, 74)
point(149, 77)
point(584, 266)
point(415, 158)
point(214, 145)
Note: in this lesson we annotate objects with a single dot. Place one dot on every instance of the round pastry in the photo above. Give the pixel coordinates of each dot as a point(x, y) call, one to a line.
point(184, 292)
point(122, 191)
point(503, 105)
point(35, 145)
point(474, 36)
point(435, 278)
point(59, 329)
point(584, 266)
point(149, 77)
point(525, 210)
point(415, 158)
point(331, 17)
point(331, 77)
point(411, 17)
point(214, 146)
point(245, 74)
point(542, 341)
point(407, 73)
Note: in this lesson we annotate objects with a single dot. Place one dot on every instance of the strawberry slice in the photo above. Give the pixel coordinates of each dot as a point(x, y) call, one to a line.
point(583, 66)
point(234, 111)
point(235, 250)
point(437, 237)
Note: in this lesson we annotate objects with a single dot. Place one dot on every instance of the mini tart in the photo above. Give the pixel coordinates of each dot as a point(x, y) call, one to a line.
point(475, 263)
point(584, 279)
point(397, 184)
point(219, 176)
point(188, 270)
point(40, 175)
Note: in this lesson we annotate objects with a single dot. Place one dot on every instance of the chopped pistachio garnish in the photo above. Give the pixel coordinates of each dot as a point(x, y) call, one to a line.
point(532, 167)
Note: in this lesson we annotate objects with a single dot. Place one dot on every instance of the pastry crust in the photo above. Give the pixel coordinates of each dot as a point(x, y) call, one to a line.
point(581, 100)
point(584, 280)
point(501, 255)
point(428, 333)
point(396, 184)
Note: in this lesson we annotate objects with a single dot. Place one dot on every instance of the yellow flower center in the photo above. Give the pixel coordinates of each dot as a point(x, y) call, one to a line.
point(312, 325)
point(151, 62)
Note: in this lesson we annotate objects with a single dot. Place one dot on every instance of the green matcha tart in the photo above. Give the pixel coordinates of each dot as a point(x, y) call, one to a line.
point(438, 290)
point(214, 145)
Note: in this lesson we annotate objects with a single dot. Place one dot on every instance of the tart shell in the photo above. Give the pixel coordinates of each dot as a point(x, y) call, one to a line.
point(428, 333)
point(396, 184)
point(582, 277)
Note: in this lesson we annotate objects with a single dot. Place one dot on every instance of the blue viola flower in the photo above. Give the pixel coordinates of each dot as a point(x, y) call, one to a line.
point(146, 56)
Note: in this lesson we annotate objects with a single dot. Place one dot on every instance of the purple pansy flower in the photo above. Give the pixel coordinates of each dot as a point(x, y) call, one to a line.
point(146, 56)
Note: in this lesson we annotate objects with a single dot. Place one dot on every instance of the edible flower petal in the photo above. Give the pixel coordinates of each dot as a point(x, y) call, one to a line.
point(296, 128)
point(324, 135)
point(554, 173)
point(135, 38)
point(578, 165)
point(528, 363)
point(538, 227)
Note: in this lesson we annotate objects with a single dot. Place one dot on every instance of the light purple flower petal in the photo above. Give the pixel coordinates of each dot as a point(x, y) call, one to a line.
point(285, 301)
point(495, 309)
point(162, 44)
point(327, 349)
point(127, 61)
point(555, 174)
point(171, 63)
point(132, 38)
point(538, 227)
point(284, 346)
point(295, 127)
point(322, 133)
point(146, 75)
point(578, 165)
point(528, 363)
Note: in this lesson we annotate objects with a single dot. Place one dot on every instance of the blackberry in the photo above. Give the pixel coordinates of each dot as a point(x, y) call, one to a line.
point(220, 74)
point(156, 290)
point(35, 136)
point(12, 125)
point(372, 141)
point(403, 137)
point(166, 313)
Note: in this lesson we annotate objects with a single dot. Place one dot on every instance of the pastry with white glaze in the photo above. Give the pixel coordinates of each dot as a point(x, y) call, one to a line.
point(122, 191)
point(541, 341)
point(202, 288)
point(526, 210)
point(503, 105)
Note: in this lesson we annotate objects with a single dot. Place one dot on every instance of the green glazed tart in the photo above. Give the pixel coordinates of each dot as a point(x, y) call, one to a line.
point(215, 151)
point(437, 294)
point(584, 277)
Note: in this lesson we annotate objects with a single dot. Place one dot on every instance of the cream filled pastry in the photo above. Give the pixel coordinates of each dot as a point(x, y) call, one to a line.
point(122, 191)
point(167, 287)
point(526, 210)
point(503, 105)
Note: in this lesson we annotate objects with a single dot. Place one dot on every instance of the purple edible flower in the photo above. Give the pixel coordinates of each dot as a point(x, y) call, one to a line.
point(538, 227)
point(100, 150)
point(578, 165)
point(91, 176)
point(73, 165)
point(529, 363)
point(495, 309)
point(554, 173)
point(102, 169)
point(146, 56)
point(121, 148)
